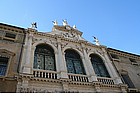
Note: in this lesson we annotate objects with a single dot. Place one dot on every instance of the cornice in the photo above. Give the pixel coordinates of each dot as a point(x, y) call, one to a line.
point(124, 54)
point(11, 29)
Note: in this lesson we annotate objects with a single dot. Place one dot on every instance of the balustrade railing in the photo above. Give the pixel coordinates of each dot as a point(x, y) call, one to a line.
point(73, 77)
point(106, 80)
point(45, 74)
point(78, 77)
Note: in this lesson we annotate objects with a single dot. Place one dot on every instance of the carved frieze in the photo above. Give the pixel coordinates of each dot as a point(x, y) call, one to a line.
point(70, 35)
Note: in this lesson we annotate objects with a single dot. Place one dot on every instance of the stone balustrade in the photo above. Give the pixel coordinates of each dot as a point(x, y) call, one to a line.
point(78, 77)
point(106, 80)
point(45, 74)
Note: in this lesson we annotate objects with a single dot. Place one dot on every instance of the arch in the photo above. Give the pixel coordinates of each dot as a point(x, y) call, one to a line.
point(73, 62)
point(74, 49)
point(96, 53)
point(44, 42)
point(99, 66)
point(44, 57)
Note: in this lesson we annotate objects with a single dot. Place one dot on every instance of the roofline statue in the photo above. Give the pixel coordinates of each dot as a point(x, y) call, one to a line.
point(55, 22)
point(65, 23)
point(96, 41)
point(34, 25)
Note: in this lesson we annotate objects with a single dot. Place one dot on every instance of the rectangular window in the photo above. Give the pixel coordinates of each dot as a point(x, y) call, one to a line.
point(3, 65)
point(127, 80)
point(10, 37)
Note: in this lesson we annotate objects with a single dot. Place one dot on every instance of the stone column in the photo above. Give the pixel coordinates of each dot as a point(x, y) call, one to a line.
point(111, 69)
point(89, 66)
point(27, 66)
point(61, 62)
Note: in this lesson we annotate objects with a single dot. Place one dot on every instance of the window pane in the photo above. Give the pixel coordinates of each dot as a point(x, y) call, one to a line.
point(3, 65)
point(74, 63)
point(70, 66)
point(44, 58)
point(78, 67)
point(98, 66)
point(49, 63)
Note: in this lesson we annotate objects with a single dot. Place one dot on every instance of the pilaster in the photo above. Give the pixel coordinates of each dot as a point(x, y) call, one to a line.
point(27, 66)
point(61, 62)
point(111, 69)
point(89, 66)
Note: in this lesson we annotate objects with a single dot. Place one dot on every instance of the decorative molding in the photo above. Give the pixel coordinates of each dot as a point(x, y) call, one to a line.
point(70, 35)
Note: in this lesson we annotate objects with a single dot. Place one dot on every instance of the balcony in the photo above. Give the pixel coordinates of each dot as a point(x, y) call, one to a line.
point(106, 80)
point(78, 77)
point(45, 74)
point(74, 77)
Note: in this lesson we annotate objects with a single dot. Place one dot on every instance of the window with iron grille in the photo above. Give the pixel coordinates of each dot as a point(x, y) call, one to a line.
point(99, 66)
point(44, 58)
point(3, 65)
point(74, 62)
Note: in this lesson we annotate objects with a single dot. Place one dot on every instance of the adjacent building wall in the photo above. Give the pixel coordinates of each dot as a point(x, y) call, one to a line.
point(11, 43)
point(127, 64)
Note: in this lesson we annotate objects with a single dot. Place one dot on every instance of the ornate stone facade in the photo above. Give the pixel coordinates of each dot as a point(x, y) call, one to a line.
point(61, 61)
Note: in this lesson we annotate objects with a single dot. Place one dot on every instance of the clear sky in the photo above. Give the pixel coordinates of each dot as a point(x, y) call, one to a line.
point(116, 23)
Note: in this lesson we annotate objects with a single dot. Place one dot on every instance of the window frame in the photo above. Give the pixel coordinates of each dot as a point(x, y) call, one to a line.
point(78, 59)
point(44, 56)
point(101, 63)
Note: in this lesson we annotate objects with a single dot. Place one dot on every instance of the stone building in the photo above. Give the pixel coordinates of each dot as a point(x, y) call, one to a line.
point(11, 44)
point(60, 61)
point(128, 67)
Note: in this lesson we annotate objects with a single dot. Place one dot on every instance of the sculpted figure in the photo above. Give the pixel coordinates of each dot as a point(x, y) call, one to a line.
point(55, 22)
point(96, 40)
point(34, 25)
point(65, 22)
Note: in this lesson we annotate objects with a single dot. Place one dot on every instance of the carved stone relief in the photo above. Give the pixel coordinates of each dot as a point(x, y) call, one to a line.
point(70, 35)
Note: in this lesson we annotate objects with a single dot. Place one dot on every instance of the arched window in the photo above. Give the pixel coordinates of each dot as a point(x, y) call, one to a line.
point(44, 58)
point(74, 63)
point(99, 66)
point(3, 65)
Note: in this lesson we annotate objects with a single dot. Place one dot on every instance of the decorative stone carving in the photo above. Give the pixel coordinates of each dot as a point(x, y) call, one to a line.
point(88, 50)
point(79, 48)
point(52, 42)
point(64, 44)
point(70, 35)
point(99, 51)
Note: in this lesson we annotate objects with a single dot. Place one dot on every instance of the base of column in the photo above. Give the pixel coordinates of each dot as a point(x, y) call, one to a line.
point(26, 70)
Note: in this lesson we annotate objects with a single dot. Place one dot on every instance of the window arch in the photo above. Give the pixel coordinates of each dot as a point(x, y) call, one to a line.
point(99, 66)
point(44, 58)
point(74, 62)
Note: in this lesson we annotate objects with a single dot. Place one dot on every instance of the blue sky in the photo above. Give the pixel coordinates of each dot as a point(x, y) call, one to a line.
point(116, 23)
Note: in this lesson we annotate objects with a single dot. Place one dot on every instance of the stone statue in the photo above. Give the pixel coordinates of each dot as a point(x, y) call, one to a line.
point(34, 25)
point(96, 41)
point(55, 22)
point(74, 26)
point(65, 23)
